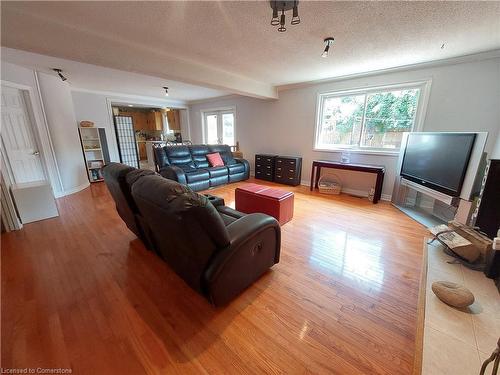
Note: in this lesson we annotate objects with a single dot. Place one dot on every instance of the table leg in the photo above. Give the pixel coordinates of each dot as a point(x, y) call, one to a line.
point(318, 174)
point(378, 187)
point(312, 177)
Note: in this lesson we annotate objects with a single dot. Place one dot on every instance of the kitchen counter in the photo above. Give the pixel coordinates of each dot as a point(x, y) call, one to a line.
point(149, 153)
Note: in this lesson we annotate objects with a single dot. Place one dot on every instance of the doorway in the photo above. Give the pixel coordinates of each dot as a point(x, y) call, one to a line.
point(219, 127)
point(18, 138)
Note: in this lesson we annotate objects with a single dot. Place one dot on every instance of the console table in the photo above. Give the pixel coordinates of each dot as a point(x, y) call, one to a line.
point(377, 169)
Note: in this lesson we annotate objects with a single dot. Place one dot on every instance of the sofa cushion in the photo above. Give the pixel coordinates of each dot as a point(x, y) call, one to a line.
point(225, 153)
point(215, 160)
point(180, 156)
point(198, 153)
point(197, 175)
point(236, 168)
point(217, 171)
point(161, 158)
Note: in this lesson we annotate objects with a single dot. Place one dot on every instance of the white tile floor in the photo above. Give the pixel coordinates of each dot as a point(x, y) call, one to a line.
point(456, 341)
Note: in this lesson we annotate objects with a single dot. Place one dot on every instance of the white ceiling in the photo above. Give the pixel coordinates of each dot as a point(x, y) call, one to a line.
point(230, 46)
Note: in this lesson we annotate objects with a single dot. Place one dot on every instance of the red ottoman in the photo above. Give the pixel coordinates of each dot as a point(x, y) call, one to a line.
point(253, 198)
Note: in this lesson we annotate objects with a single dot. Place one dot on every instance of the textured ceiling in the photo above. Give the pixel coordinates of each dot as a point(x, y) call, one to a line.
point(230, 44)
point(112, 81)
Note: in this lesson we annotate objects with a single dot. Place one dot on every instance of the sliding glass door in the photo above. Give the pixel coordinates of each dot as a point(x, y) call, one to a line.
point(219, 127)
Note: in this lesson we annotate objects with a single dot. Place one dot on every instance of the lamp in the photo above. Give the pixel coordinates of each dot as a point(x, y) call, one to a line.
point(328, 43)
point(282, 6)
point(166, 90)
point(275, 21)
point(295, 14)
point(282, 27)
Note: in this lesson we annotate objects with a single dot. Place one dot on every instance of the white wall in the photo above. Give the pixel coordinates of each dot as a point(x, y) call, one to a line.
point(464, 97)
point(496, 151)
point(95, 107)
point(58, 105)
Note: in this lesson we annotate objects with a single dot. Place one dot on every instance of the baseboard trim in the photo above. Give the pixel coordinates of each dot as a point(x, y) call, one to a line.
point(72, 191)
point(355, 192)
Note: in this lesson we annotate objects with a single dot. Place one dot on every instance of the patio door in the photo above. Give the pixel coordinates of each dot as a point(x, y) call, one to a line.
point(219, 127)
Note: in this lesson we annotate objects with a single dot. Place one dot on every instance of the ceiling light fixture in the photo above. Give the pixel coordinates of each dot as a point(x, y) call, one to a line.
point(282, 6)
point(166, 90)
point(59, 73)
point(328, 43)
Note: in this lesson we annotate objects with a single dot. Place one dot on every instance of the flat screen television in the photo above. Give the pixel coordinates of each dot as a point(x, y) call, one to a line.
point(438, 160)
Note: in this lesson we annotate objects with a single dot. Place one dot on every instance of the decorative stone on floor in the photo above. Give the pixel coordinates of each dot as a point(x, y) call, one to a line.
point(453, 294)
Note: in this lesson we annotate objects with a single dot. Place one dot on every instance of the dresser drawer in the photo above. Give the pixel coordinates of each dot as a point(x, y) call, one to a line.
point(263, 175)
point(265, 166)
point(288, 170)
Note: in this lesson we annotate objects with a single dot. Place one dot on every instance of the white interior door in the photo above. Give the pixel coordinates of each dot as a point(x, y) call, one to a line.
point(219, 127)
point(18, 139)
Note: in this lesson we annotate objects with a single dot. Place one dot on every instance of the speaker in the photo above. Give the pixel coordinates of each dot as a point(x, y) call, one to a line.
point(487, 213)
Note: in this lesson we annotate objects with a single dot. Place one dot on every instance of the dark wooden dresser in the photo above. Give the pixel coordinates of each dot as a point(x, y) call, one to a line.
point(288, 170)
point(264, 166)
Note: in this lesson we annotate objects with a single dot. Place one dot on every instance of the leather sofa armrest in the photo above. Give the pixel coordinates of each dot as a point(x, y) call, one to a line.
point(244, 162)
point(255, 242)
point(174, 173)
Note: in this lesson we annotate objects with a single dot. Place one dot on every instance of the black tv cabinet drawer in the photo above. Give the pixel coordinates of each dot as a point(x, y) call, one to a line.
point(264, 166)
point(288, 170)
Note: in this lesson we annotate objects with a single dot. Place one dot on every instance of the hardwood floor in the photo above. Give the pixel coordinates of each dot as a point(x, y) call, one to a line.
point(80, 291)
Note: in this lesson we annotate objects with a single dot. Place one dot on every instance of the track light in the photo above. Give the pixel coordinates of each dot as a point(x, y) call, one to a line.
point(283, 6)
point(282, 27)
point(59, 73)
point(275, 21)
point(166, 90)
point(295, 15)
point(328, 43)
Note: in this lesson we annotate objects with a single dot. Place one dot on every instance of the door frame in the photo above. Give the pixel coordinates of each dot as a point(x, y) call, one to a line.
point(47, 155)
point(41, 135)
point(219, 111)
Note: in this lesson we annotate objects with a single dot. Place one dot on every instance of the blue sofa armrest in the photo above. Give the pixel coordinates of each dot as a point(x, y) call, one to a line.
point(174, 173)
point(245, 163)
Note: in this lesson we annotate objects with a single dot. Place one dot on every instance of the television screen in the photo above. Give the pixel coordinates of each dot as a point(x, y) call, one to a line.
point(438, 160)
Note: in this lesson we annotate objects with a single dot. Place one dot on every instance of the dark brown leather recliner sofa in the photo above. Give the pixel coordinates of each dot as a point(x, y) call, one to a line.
point(218, 251)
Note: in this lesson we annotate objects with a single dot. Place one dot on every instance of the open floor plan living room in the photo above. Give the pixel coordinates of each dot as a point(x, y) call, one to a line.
point(250, 187)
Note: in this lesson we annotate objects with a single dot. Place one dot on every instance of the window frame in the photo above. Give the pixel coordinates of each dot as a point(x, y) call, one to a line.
point(219, 111)
point(418, 121)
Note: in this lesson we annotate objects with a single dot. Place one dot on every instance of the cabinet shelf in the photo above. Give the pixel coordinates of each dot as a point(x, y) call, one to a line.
point(97, 154)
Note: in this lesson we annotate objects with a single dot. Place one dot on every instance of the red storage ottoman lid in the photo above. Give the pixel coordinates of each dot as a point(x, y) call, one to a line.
point(252, 188)
point(275, 194)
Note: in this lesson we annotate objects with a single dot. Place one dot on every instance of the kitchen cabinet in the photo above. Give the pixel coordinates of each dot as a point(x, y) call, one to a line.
point(139, 120)
point(142, 150)
point(154, 121)
point(174, 122)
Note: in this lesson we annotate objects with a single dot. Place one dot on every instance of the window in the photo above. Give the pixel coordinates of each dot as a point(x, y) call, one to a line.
point(372, 119)
point(218, 127)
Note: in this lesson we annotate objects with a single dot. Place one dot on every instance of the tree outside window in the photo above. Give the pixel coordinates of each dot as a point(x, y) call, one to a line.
point(370, 120)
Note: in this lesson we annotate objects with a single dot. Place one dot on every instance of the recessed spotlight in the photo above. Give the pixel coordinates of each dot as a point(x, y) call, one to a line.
point(328, 42)
point(130, 105)
point(166, 90)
